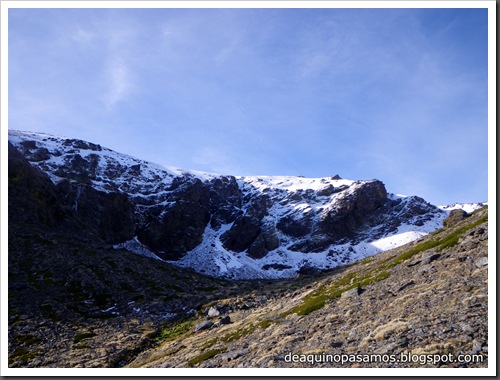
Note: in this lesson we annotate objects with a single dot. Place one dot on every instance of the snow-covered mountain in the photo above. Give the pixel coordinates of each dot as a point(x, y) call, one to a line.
point(226, 226)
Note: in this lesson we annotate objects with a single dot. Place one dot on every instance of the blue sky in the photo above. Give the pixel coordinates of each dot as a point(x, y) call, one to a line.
point(394, 94)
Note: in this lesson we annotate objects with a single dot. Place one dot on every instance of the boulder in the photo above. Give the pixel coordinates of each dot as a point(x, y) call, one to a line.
point(231, 355)
point(455, 217)
point(213, 312)
point(481, 262)
point(351, 293)
point(205, 325)
point(225, 320)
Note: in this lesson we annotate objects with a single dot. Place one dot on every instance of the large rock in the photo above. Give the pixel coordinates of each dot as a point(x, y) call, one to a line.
point(205, 325)
point(455, 217)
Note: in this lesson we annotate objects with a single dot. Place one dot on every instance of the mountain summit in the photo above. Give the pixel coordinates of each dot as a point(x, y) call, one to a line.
point(222, 225)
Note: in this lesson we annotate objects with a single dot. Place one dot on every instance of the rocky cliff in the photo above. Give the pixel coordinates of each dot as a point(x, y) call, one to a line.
point(224, 226)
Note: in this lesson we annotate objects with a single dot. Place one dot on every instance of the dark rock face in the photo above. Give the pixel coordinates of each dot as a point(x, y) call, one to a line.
point(246, 232)
point(295, 225)
point(225, 200)
point(31, 189)
point(351, 211)
point(107, 216)
point(179, 228)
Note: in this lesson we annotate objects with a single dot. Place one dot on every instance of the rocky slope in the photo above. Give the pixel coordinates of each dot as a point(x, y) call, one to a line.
point(428, 299)
point(225, 226)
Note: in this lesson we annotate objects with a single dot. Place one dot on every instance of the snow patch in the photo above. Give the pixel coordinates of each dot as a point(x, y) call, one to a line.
point(467, 207)
point(135, 246)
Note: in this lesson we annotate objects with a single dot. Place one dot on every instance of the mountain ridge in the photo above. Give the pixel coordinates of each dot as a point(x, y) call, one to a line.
point(228, 226)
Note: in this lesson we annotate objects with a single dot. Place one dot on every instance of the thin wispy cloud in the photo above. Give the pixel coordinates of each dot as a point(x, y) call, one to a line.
point(82, 36)
point(119, 83)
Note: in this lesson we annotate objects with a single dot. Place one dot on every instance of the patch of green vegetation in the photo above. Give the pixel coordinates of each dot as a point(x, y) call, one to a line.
point(205, 356)
point(175, 329)
point(437, 232)
point(385, 261)
point(311, 304)
point(209, 343)
point(372, 279)
point(238, 333)
point(28, 340)
point(448, 242)
point(79, 337)
point(367, 260)
point(452, 239)
point(22, 354)
point(429, 244)
point(265, 323)
point(318, 298)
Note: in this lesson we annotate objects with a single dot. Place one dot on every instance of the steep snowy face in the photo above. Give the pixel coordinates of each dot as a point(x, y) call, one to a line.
point(226, 226)
point(105, 170)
